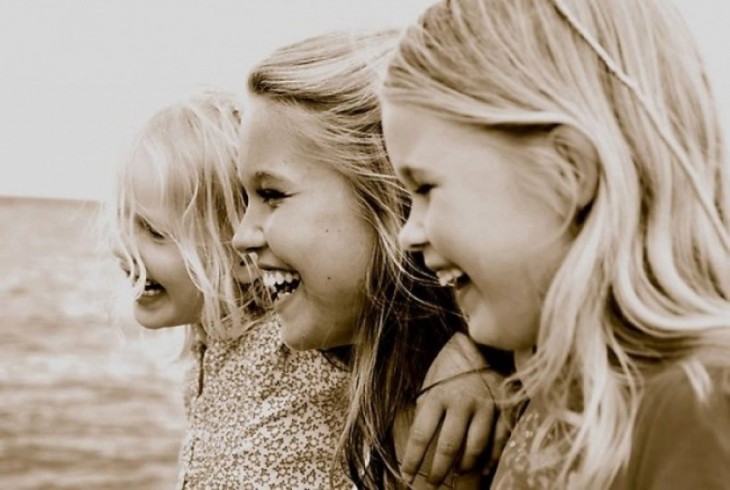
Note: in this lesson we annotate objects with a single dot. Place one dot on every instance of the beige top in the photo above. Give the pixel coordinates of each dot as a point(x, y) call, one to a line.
point(261, 415)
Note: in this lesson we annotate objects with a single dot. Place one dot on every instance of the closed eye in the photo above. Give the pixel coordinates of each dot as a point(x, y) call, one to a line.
point(151, 230)
point(423, 189)
point(271, 196)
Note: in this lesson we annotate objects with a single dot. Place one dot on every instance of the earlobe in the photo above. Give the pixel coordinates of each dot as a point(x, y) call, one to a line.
point(577, 148)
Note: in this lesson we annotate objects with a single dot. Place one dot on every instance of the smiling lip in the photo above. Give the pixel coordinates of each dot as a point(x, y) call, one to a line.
point(465, 296)
point(150, 298)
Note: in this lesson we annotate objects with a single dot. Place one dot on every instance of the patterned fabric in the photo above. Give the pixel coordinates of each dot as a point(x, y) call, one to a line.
point(516, 470)
point(261, 416)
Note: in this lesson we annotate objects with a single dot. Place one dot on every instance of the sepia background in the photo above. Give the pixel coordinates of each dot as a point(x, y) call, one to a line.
point(88, 399)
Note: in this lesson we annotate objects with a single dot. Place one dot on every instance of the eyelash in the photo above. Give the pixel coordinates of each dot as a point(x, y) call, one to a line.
point(423, 189)
point(271, 196)
point(156, 235)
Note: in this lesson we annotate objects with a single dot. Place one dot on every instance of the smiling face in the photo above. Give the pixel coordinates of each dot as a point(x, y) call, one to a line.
point(169, 297)
point(304, 224)
point(479, 229)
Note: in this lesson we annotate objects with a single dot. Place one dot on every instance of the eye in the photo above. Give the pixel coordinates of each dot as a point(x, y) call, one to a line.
point(270, 196)
point(423, 189)
point(151, 230)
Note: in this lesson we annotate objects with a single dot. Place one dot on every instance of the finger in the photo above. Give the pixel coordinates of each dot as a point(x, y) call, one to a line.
point(450, 442)
point(424, 428)
point(477, 440)
point(502, 431)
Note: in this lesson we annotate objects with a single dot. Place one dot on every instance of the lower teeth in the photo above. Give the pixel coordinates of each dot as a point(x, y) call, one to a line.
point(278, 295)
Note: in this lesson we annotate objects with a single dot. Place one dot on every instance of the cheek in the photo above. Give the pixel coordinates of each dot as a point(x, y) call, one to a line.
point(345, 257)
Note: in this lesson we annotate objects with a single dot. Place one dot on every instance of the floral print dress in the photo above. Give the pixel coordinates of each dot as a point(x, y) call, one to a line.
point(261, 416)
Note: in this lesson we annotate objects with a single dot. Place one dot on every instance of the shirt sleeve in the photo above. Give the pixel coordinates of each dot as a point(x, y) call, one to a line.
point(680, 441)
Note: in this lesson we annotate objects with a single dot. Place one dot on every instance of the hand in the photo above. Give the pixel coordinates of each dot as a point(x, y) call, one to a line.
point(459, 405)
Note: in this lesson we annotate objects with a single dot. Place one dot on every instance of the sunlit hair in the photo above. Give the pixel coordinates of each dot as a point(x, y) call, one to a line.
point(330, 82)
point(188, 151)
point(646, 284)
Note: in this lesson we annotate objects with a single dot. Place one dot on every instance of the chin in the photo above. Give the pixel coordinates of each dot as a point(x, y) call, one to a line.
point(154, 326)
point(485, 334)
point(151, 323)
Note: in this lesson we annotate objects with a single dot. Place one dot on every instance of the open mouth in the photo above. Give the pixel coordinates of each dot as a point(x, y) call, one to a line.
point(452, 277)
point(152, 288)
point(280, 284)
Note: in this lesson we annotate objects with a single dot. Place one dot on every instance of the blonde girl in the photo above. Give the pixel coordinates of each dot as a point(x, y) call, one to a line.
point(324, 210)
point(569, 180)
point(259, 414)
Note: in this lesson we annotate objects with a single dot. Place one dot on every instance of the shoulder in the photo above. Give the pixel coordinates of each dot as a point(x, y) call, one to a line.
point(682, 432)
point(676, 389)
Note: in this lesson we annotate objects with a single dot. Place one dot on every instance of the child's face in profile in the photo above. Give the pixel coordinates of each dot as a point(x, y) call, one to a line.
point(169, 298)
point(303, 222)
point(479, 229)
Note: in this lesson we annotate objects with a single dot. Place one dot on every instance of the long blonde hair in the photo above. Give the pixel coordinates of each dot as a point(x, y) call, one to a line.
point(646, 284)
point(332, 81)
point(190, 150)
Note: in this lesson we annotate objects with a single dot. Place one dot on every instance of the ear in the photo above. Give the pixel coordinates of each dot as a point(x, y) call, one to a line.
point(577, 148)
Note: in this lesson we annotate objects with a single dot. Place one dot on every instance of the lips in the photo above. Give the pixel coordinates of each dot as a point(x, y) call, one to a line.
point(152, 288)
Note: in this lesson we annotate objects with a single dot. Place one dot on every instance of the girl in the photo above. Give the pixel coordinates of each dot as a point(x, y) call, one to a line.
point(259, 414)
point(324, 209)
point(568, 179)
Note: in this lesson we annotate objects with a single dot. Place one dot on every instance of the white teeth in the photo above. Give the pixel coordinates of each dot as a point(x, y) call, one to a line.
point(449, 277)
point(277, 281)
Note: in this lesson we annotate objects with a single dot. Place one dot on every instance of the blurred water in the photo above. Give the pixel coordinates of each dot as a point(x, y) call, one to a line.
point(85, 402)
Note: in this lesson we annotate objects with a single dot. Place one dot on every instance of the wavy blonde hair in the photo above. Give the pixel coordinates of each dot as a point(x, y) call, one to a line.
point(332, 82)
point(190, 150)
point(646, 284)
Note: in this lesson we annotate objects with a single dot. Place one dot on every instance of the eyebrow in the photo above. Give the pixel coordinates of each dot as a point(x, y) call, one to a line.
point(412, 174)
point(269, 177)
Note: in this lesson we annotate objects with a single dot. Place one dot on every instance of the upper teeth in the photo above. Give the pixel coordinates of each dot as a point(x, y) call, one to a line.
point(273, 278)
point(448, 277)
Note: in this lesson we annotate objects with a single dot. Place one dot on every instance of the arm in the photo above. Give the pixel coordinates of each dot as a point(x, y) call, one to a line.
point(455, 416)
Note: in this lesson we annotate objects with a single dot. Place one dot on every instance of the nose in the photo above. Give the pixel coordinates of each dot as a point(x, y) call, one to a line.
point(249, 235)
point(412, 236)
point(118, 245)
point(120, 250)
point(116, 249)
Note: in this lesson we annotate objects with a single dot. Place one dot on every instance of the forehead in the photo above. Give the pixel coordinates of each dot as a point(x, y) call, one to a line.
point(415, 137)
point(268, 135)
point(146, 188)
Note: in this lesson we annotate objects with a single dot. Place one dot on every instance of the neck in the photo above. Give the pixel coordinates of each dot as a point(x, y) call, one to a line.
point(521, 357)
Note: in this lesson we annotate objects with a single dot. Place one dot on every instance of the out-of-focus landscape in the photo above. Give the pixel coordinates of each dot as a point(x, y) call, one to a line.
point(88, 400)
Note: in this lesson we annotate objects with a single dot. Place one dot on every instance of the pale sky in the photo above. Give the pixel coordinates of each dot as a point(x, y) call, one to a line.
point(78, 78)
